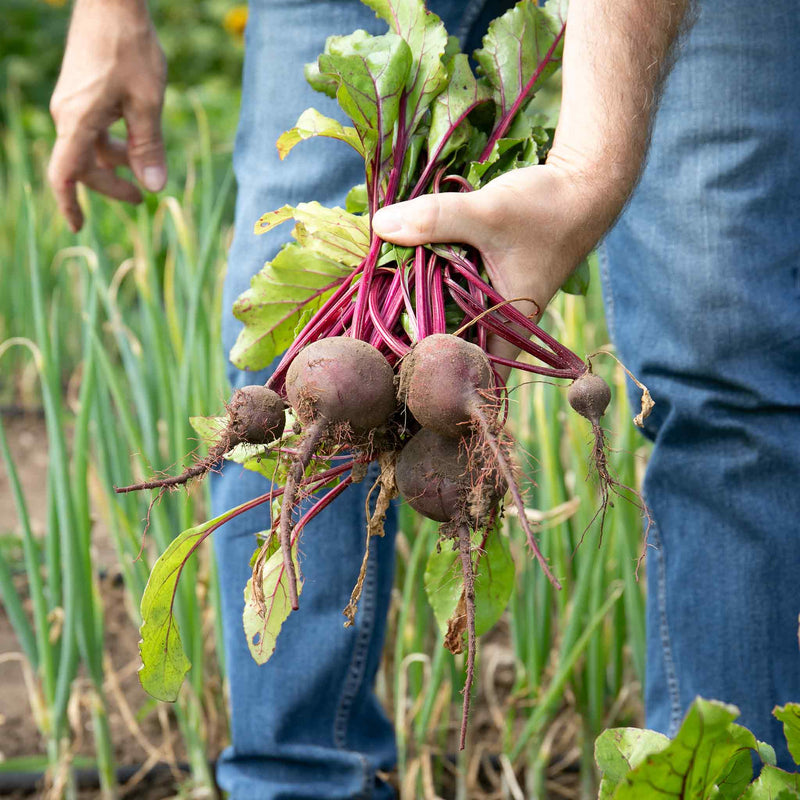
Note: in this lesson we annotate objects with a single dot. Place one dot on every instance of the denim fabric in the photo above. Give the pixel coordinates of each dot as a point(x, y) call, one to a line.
point(306, 724)
point(702, 285)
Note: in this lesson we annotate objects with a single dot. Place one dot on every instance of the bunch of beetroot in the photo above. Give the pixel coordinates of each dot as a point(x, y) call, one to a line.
point(385, 348)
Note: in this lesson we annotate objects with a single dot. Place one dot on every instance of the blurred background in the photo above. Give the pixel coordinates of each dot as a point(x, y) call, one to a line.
point(109, 342)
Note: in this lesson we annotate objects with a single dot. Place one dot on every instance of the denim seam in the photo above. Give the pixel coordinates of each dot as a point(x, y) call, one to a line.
point(673, 688)
point(608, 295)
point(355, 674)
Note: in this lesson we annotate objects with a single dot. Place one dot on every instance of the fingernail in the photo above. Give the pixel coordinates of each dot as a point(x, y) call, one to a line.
point(387, 221)
point(154, 178)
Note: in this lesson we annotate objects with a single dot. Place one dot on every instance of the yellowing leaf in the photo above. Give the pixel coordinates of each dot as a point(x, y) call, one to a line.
point(208, 428)
point(261, 626)
point(266, 222)
point(297, 280)
point(311, 123)
point(332, 232)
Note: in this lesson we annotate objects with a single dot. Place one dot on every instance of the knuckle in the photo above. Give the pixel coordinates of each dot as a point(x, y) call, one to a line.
point(145, 146)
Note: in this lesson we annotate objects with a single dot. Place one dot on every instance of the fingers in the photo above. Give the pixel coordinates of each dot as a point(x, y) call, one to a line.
point(449, 217)
point(145, 143)
point(111, 152)
point(107, 182)
point(68, 163)
point(86, 157)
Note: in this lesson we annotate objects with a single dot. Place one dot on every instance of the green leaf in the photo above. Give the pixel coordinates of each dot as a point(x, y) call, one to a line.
point(693, 762)
point(789, 715)
point(735, 778)
point(262, 627)
point(311, 123)
point(427, 39)
point(738, 772)
point(619, 750)
point(295, 280)
point(357, 201)
point(449, 128)
point(578, 281)
point(494, 581)
point(268, 538)
point(371, 72)
point(514, 50)
point(208, 428)
point(503, 154)
point(773, 784)
point(332, 232)
point(164, 663)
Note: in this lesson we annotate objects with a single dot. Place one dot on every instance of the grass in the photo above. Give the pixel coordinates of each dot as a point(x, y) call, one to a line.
point(129, 312)
point(94, 316)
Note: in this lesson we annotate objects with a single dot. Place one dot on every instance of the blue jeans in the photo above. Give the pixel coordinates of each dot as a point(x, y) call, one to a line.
point(307, 723)
point(703, 297)
point(702, 289)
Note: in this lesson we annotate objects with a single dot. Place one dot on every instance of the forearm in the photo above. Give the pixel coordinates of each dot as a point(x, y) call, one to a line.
point(616, 55)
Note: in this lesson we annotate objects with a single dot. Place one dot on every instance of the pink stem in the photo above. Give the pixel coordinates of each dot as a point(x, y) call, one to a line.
point(382, 332)
point(492, 324)
point(423, 326)
point(508, 117)
point(515, 316)
point(406, 281)
point(320, 505)
point(364, 286)
point(439, 321)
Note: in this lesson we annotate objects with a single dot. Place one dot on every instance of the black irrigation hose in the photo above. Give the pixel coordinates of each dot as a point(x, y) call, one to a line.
point(86, 778)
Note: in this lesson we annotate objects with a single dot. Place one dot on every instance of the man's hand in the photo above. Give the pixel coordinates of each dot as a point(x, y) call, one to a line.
point(113, 68)
point(532, 228)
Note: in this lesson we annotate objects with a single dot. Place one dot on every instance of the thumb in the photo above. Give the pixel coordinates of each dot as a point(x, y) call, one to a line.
point(146, 146)
point(448, 217)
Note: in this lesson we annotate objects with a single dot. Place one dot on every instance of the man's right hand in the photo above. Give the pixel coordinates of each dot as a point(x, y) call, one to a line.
point(113, 68)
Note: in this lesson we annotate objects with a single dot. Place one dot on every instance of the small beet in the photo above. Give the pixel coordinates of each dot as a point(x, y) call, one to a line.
point(340, 379)
point(589, 395)
point(256, 415)
point(432, 475)
point(442, 381)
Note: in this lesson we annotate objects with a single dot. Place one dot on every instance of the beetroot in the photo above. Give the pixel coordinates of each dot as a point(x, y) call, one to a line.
point(443, 479)
point(432, 475)
point(341, 380)
point(589, 395)
point(256, 415)
point(332, 382)
point(444, 381)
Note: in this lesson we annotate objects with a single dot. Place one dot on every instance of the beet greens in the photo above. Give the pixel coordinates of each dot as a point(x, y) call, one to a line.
point(364, 325)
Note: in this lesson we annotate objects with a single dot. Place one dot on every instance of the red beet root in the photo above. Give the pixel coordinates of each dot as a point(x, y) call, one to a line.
point(443, 380)
point(589, 395)
point(256, 415)
point(341, 380)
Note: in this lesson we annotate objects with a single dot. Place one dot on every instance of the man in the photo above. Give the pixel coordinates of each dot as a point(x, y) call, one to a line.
point(703, 296)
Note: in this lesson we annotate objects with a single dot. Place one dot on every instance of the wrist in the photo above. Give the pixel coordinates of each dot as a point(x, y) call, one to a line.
point(599, 182)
